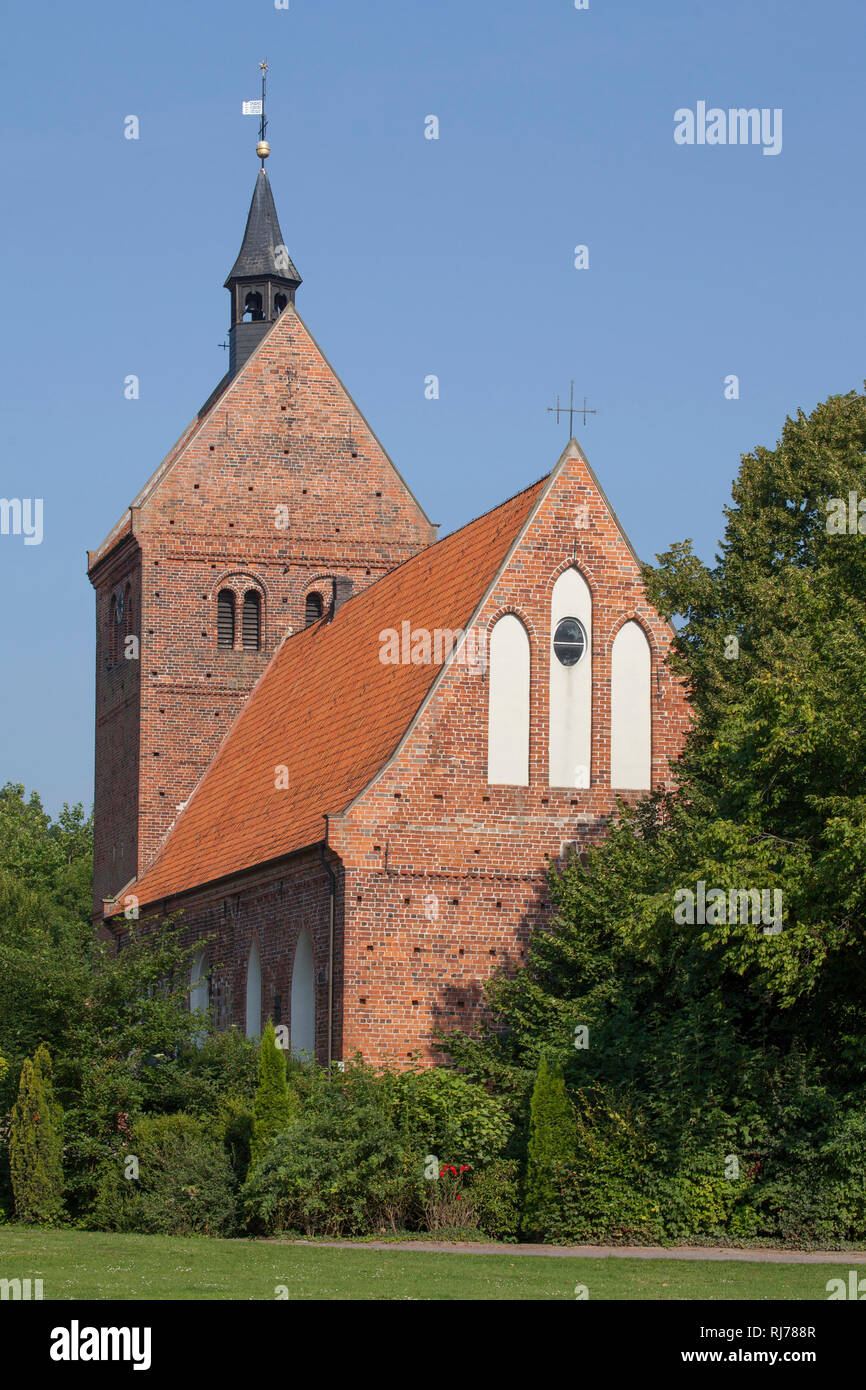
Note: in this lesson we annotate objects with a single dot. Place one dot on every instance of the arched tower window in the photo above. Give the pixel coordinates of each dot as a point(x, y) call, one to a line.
point(251, 624)
point(226, 618)
point(631, 710)
point(508, 709)
point(313, 608)
point(303, 1029)
point(254, 992)
point(570, 681)
point(280, 302)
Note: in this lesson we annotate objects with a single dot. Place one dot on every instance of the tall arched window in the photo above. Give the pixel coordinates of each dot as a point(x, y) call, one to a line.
point(127, 609)
point(254, 992)
point(199, 992)
point(570, 681)
point(303, 1030)
point(508, 708)
point(631, 710)
point(225, 618)
point(313, 608)
point(251, 623)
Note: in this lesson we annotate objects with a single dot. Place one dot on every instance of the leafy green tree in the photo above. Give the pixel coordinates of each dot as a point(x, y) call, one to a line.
point(45, 919)
point(551, 1140)
point(275, 1106)
point(36, 1143)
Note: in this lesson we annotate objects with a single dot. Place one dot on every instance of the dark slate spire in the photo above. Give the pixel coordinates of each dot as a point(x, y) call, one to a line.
point(262, 280)
point(263, 251)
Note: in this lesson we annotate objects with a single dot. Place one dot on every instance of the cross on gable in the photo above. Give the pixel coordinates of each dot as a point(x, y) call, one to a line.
point(572, 410)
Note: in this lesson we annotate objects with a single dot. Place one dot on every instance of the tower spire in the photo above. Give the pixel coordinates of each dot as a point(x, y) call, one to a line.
point(263, 279)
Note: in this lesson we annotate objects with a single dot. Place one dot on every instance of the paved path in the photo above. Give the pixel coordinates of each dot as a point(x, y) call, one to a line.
point(850, 1258)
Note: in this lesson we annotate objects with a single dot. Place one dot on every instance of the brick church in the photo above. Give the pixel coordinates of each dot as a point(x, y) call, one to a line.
point(338, 751)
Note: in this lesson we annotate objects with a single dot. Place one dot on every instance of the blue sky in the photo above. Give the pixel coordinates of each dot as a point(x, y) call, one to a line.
point(452, 257)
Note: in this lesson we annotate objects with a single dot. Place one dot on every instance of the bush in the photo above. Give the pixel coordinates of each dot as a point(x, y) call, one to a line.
point(344, 1168)
point(444, 1114)
point(603, 1191)
point(197, 1080)
point(36, 1143)
point(185, 1185)
point(494, 1195)
point(699, 1200)
point(590, 1206)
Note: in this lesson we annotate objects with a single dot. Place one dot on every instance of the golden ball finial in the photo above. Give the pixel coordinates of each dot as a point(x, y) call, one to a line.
point(263, 149)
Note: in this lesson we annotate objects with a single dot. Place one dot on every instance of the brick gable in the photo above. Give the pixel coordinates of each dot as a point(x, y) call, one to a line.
point(283, 433)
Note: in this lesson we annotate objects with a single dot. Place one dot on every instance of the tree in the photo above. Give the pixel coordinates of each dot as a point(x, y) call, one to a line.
point(36, 1143)
point(275, 1105)
point(551, 1139)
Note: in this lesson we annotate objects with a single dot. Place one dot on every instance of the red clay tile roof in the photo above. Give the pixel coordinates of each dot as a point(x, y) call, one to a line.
point(330, 711)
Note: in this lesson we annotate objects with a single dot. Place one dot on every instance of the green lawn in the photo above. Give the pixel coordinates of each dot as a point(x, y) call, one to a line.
point(79, 1265)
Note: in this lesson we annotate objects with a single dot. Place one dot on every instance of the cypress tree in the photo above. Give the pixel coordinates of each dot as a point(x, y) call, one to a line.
point(551, 1137)
point(36, 1143)
point(275, 1105)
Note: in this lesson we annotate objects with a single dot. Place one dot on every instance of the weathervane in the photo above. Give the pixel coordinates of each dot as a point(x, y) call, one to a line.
point(572, 411)
point(263, 149)
point(257, 108)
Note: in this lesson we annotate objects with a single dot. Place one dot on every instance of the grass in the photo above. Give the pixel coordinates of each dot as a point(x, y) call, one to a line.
point(94, 1265)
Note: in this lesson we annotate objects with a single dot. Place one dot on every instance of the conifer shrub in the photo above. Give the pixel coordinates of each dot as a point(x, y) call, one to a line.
point(275, 1105)
point(36, 1143)
point(551, 1140)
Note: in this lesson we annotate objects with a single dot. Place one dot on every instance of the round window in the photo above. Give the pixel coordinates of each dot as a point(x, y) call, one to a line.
point(569, 641)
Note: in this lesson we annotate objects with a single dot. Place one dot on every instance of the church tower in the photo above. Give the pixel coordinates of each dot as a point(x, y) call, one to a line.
point(276, 503)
